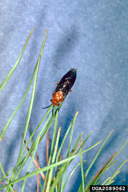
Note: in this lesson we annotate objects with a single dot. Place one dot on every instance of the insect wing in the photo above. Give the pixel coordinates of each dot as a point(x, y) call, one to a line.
point(66, 82)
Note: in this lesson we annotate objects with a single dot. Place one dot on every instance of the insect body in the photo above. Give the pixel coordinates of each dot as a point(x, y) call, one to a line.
point(63, 87)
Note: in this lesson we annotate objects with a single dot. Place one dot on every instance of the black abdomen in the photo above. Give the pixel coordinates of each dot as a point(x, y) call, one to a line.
point(66, 82)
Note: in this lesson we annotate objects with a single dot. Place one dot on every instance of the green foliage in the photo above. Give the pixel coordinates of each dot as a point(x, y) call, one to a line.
point(55, 172)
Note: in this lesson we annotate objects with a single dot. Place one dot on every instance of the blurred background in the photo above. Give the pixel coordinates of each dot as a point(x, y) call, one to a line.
point(91, 36)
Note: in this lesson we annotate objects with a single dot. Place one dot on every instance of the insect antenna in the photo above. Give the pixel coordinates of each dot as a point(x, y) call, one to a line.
point(47, 107)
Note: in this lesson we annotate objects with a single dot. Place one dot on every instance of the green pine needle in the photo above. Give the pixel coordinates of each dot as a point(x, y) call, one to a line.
point(56, 177)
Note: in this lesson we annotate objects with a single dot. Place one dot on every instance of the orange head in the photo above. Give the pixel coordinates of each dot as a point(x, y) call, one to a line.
point(57, 97)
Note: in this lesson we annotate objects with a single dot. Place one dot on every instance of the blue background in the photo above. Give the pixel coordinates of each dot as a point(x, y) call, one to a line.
point(91, 36)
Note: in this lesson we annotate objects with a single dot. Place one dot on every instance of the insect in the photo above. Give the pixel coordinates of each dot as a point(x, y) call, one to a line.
point(63, 87)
